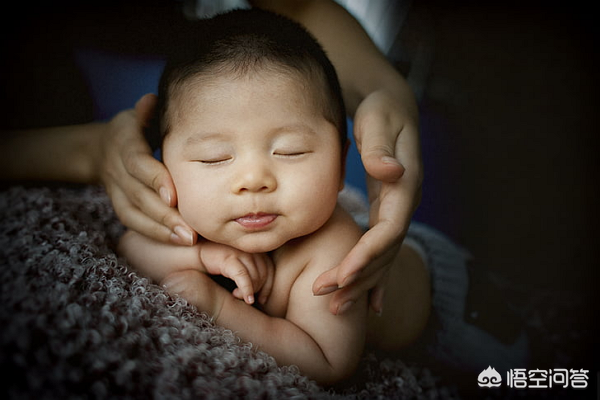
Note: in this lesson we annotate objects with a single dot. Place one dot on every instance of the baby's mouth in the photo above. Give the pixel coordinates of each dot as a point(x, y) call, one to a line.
point(255, 221)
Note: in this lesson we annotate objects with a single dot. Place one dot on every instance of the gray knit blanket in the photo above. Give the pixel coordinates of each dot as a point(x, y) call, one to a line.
point(77, 323)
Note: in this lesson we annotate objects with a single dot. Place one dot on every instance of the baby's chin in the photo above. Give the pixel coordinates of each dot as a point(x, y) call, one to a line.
point(256, 246)
point(251, 245)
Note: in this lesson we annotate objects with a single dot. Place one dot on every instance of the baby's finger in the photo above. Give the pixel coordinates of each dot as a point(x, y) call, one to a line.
point(236, 271)
point(265, 291)
point(249, 262)
point(261, 270)
point(264, 269)
point(237, 293)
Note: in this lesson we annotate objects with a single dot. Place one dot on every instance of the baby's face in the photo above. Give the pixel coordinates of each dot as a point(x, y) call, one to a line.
point(254, 161)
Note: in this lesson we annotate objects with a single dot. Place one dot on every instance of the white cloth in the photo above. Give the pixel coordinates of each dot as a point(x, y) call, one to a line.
point(198, 9)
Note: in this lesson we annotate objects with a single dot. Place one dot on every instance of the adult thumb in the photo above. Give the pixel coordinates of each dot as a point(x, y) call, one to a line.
point(144, 109)
point(379, 159)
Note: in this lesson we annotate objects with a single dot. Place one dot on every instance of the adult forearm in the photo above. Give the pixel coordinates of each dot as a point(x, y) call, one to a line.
point(66, 153)
point(361, 67)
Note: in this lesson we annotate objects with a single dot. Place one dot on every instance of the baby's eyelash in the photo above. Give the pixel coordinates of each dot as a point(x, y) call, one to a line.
point(291, 153)
point(214, 161)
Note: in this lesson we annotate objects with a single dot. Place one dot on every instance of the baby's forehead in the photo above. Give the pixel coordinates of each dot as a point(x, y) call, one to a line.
point(196, 85)
point(307, 76)
point(195, 89)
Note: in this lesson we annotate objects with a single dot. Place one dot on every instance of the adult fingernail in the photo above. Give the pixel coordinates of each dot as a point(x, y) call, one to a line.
point(345, 307)
point(389, 160)
point(185, 235)
point(326, 290)
point(349, 279)
point(165, 195)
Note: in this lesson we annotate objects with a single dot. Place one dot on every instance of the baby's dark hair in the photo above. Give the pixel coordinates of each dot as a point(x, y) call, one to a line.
point(247, 41)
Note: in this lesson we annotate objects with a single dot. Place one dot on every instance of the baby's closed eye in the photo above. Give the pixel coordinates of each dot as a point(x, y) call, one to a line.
point(214, 160)
point(291, 153)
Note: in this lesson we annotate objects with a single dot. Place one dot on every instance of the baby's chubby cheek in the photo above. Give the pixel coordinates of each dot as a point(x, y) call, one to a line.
point(193, 209)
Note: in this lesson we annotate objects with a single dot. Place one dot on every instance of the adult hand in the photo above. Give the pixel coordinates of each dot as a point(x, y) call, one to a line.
point(140, 187)
point(388, 140)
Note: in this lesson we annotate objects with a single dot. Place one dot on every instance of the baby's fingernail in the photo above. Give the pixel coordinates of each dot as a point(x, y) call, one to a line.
point(326, 290)
point(165, 195)
point(176, 240)
point(250, 299)
point(345, 307)
point(185, 235)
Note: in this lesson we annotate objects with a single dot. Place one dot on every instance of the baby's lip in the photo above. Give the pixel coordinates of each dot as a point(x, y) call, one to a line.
point(256, 221)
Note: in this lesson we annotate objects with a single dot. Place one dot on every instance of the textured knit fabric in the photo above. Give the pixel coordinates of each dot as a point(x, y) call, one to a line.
point(459, 343)
point(78, 323)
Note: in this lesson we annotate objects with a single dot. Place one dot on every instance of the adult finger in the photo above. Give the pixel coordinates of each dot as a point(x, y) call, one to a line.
point(142, 211)
point(142, 166)
point(134, 219)
point(377, 295)
point(152, 191)
point(345, 298)
point(145, 108)
point(371, 245)
point(139, 161)
point(379, 159)
point(376, 136)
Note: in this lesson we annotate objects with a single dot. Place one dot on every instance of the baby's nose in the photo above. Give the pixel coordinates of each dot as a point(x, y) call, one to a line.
point(254, 177)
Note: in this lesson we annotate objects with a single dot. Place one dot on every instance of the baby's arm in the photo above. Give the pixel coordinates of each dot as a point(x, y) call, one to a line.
point(167, 264)
point(324, 346)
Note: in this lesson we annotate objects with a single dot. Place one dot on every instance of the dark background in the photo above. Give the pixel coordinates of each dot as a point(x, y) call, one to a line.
point(510, 144)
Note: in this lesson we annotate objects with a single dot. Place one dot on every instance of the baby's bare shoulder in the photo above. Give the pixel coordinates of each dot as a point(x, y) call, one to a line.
point(330, 244)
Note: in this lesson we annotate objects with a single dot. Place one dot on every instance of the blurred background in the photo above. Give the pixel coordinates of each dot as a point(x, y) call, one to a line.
point(508, 100)
point(507, 92)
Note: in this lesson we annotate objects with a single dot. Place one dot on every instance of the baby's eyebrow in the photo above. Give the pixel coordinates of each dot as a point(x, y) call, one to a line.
point(300, 128)
point(201, 137)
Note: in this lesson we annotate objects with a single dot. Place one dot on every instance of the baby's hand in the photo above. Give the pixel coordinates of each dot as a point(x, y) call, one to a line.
point(252, 273)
